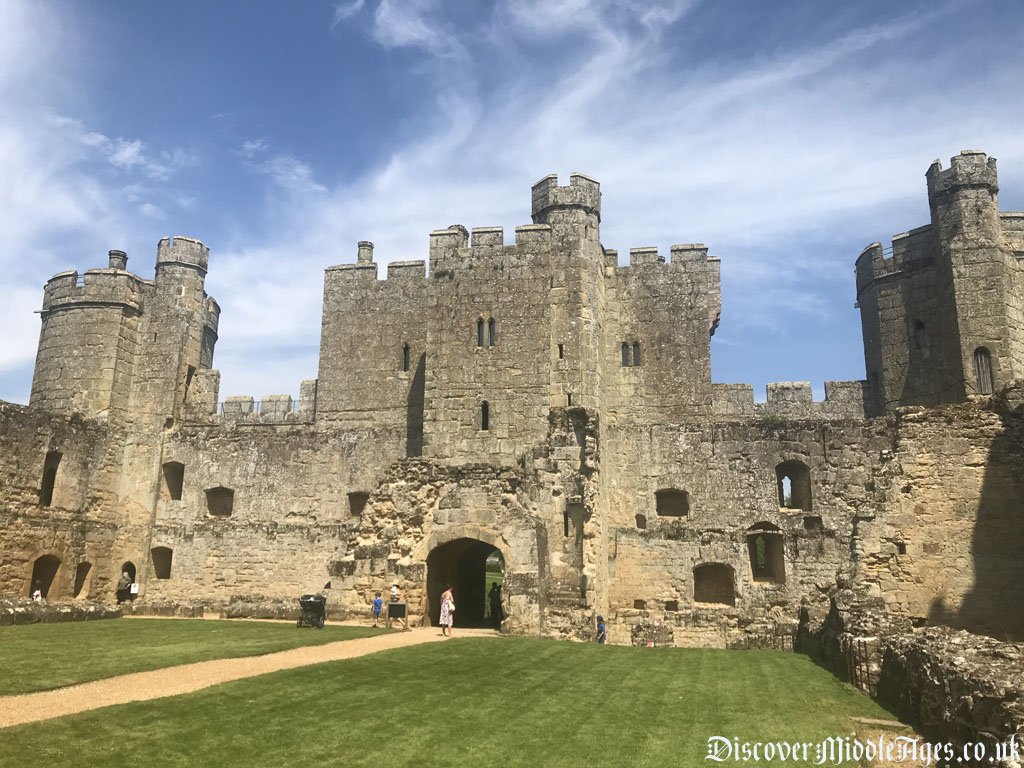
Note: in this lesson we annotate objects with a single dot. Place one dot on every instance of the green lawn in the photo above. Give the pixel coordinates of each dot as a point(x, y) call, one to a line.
point(37, 657)
point(509, 702)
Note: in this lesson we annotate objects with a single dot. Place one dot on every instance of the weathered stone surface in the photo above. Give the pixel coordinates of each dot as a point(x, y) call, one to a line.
point(537, 399)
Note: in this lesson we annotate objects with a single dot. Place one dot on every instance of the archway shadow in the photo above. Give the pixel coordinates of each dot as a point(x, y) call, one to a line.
point(462, 564)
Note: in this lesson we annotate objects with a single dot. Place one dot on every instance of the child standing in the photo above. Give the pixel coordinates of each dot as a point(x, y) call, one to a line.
point(602, 632)
point(378, 604)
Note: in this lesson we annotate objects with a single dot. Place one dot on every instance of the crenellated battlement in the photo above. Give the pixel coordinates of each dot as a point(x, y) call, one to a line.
point(791, 400)
point(95, 288)
point(582, 193)
point(970, 169)
point(182, 251)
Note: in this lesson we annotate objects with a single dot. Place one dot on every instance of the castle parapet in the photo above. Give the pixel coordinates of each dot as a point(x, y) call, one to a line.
point(790, 400)
point(445, 244)
point(485, 237)
point(970, 169)
point(583, 193)
point(96, 288)
point(533, 234)
point(407, 270)
point(639, 257)
point(182, 251)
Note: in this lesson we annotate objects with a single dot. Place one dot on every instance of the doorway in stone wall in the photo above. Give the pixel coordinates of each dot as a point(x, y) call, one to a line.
point(470, 566)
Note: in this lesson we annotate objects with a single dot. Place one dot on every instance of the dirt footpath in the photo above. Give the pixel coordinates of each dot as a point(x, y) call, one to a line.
point(186, 678)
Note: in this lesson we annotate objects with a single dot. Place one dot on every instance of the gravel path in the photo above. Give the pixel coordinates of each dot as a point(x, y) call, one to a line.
point(186, 678)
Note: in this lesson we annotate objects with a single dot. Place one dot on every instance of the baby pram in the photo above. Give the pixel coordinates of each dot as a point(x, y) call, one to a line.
point(312, 611)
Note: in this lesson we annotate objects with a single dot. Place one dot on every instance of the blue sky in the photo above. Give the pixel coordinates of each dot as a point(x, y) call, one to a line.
point(784, 135)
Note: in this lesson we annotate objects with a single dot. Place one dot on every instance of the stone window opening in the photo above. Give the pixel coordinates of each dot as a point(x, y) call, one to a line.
point(189, 375)
point(561, 351)
point(480, 332)
point(983, 371)
point(220, 501)
point(813, 524)
point(901, 547)
point(671, 605)
point(174, 480)
point(492, 330)
point(793, 481)
point(568, 399)
point(641, 523)
point(485, 416)
point(81, 574)
point(50, 465)
point(640, 605)
point(162, 557)
point(406, 357)
point(357, 502)
point(636, 353)
point(44, 573)
point(625, 355)
point(767, 553)
point(670, 502)
point(714, 583)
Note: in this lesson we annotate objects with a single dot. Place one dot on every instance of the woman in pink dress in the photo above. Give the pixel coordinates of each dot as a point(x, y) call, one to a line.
point(447, 611)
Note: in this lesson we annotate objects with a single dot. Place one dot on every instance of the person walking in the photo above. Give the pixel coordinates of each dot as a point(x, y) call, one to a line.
point(378, 604)
point(602, 631)
point(447, 611)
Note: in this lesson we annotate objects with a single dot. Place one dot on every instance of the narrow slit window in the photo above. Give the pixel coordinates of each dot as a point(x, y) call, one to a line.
point(983, 370)
point(636, 353)
point(491, 332)
point(405, 357)
point(625, 355)
point(50, 466)
point(480, 332)
point(561, 351)
point(485, 416)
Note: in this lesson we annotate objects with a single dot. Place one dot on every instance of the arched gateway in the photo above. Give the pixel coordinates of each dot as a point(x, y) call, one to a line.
point(463, 564)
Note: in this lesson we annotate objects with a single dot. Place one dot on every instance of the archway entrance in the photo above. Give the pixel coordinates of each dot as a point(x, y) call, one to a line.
point(471, 567)
point(44, 571)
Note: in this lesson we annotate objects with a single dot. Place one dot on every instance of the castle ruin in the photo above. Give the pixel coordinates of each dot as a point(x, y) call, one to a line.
point(537, 401)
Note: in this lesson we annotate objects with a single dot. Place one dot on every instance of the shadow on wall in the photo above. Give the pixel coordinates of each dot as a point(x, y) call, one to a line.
point(995, 603)
point(414, 410)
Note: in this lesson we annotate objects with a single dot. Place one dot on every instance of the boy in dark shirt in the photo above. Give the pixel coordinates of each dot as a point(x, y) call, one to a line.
point(602, 632)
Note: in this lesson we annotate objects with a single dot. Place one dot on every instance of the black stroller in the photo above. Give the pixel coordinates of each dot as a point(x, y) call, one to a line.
point(313, 611)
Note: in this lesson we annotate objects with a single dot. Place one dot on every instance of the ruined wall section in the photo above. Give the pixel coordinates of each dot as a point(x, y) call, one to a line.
point(488, 342)
point(945, 548)
point(289, 513)
point(373, 351)
point(729, 475)
point(78, 523)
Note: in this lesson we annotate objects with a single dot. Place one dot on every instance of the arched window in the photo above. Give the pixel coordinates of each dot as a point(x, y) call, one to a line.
point(174, 480)
point(491, 332)
point(162, 557)
point(44, 571)
point(50, 466)
point(480, 332)
point(767, 557)
point(983, 370)
point(793, 481)
point(636, 353)
point(714, 583)
point(485, 415)
point(625, 355)
point(405, 357)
